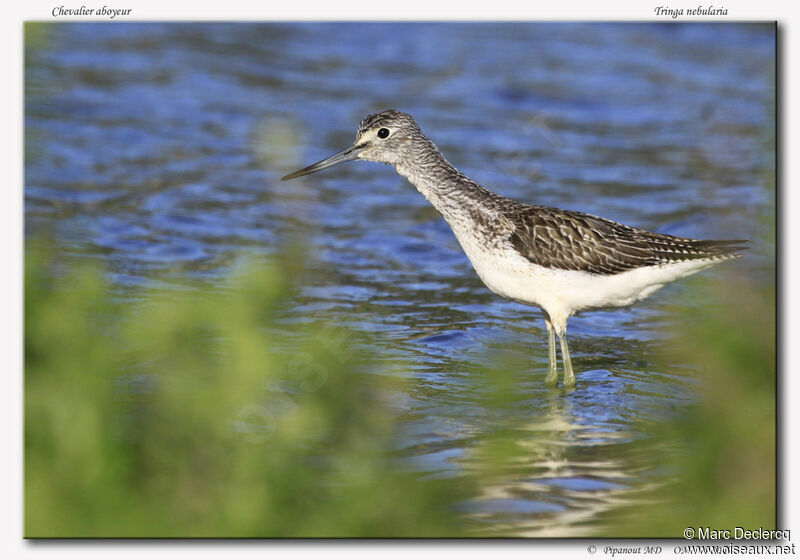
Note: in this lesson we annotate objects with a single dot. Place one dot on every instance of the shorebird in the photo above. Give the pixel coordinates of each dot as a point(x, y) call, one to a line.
point(559, 260)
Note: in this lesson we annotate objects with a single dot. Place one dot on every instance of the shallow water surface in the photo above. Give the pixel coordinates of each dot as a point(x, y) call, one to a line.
point(157, 148)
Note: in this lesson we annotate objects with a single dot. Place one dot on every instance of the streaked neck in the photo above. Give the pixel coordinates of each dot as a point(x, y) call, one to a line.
point(451, 192)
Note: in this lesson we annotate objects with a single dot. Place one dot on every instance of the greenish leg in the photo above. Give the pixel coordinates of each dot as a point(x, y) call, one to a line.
point(552, 370)
point(569, 375)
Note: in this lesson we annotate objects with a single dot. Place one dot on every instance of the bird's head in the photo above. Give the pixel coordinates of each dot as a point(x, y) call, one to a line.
point(385, 137)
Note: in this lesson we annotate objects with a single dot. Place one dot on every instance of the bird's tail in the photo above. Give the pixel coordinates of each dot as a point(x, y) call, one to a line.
point(723, 249)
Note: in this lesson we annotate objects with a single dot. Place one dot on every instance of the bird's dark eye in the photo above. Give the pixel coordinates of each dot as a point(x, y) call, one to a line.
point(383, 133)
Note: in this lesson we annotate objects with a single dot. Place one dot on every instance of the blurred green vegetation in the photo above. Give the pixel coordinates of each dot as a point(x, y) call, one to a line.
point(177, 412)
point(721, 455)
point(718, 456)
point(188, 417)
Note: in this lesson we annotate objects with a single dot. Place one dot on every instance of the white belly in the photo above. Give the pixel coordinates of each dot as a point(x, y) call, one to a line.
point(563, 292)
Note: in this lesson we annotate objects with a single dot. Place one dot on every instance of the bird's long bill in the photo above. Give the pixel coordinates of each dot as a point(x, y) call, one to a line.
point(349, 154)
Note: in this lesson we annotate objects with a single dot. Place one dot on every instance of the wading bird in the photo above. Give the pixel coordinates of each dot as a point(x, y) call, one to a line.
point(559, 260)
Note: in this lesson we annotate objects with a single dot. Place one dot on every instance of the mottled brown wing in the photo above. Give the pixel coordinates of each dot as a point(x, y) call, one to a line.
point(569, 240)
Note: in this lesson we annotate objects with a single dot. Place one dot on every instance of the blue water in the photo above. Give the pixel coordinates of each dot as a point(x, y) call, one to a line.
point(157, 149)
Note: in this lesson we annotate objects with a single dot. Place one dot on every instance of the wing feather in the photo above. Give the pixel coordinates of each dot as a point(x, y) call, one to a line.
point(571, 240)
